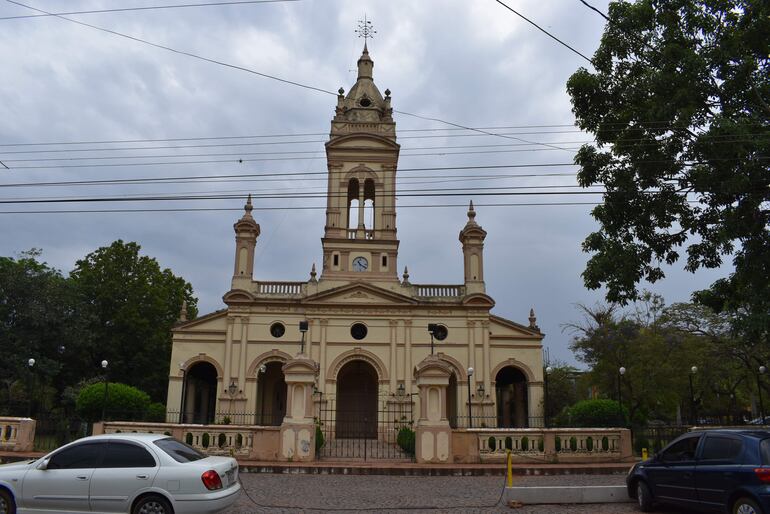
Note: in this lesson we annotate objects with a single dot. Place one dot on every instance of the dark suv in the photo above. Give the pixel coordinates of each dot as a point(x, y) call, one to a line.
point(724, 470)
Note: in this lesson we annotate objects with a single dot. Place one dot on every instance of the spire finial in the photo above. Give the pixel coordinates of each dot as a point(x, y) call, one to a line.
point(533, 320)
point(248, 207)
point(313, 274)
point(365, 30)
point(406, 275)
point(183, 312)
point(471, 213)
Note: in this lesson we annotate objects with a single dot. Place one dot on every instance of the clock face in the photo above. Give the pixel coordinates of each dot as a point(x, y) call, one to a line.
point(360, 264)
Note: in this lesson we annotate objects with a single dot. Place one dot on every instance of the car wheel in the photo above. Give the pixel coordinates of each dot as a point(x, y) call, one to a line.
point(746, 506)
point(643, 496)
point(7, 505)
point(152, 505)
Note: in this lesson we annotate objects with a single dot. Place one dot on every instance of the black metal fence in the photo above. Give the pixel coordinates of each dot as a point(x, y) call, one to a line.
point(381, 430)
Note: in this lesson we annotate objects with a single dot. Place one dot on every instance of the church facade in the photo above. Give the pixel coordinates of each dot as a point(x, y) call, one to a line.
point(365, 327)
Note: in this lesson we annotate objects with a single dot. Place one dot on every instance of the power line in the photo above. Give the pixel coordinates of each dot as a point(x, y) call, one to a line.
point(541, 29)
point(222, 63)
point(148, 8)
point(180, 52)
point(293, 208)
point(594, 9)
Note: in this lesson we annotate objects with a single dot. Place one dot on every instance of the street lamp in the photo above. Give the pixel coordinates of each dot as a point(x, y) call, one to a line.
point(621, 372)
point(762, 371)
point(30, 364)
point(548, 371)
point(262, 381)
point(182, 399)
point(302, 328)
point(470, 374)
point(106, 382)
point(432, 327)
point(693, 417)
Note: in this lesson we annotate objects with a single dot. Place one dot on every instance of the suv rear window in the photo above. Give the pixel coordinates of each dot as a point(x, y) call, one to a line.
point(764, 450)
point(179, 451)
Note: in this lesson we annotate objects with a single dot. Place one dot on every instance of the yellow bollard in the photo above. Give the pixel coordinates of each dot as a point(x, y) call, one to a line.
point(509, 458)
point(645, 455)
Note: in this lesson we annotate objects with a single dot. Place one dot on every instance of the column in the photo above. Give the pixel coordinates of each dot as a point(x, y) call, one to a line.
point(244, 344)
point(393, 364)
point(487, 355)
point(322, 357)
point(228, 352)
point(408, 355)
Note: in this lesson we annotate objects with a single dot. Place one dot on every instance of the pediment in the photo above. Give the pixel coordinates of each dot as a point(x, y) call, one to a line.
point(214, 321)
point(238, 296)
point(359, 293)
point(359, 141)
point(478, 300)
point(504, 328)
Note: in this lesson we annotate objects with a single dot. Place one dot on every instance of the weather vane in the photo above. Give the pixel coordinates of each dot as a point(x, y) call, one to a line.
point(365, 29)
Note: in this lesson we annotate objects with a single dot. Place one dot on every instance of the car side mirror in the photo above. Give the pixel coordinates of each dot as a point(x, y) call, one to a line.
point(43, 464)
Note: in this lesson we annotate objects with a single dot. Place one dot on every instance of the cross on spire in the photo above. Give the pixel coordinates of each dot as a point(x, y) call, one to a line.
point(365, 29)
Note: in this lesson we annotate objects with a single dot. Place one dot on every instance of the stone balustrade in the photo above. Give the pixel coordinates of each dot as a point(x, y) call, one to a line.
point(566, 445)
point(280, 288)
point(240, 441)
point(439, 291)
point(17, 434)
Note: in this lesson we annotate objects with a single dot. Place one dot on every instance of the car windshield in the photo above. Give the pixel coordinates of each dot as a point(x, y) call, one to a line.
point(764, 449)
point(178, 450)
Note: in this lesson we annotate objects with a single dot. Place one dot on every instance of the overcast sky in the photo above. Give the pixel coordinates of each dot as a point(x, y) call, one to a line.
point(468, 62)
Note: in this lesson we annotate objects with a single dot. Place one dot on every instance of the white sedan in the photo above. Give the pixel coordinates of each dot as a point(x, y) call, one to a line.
point(126, 473)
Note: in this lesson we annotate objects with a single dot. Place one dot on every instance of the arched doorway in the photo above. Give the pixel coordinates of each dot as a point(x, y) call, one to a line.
point(356, 412)
point(200, 394)
point(511, 392)
point(271, 395)
point(451, 401)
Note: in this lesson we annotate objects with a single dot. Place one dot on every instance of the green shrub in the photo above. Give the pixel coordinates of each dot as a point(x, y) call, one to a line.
point(205, 440)
point(123, 401)
point(590, 444)
point(406, 439)
point(320, 441)
point(558, 444)
point(156, 412)
point(188, 438)
point(573, 443)
point(525, 443)
point(221, 440)
point(509, 443)
point(597, 413)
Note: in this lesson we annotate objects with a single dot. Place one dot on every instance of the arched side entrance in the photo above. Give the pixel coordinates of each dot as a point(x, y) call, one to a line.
point(271, 395)
point(452, 394)
point(200, 394)
point(356, 412)
point(511, 395)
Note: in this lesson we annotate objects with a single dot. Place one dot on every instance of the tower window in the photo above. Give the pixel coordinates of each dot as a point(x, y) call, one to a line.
point(384, 261)
point(277, 330)
point(336, 259)
point(365, 102)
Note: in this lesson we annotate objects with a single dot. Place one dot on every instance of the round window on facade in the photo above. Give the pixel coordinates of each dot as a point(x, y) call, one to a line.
point(440, 332)
point(358, 331)
point(277, 329)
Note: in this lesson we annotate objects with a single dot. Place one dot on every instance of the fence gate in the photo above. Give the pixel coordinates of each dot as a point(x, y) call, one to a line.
point(363, 428)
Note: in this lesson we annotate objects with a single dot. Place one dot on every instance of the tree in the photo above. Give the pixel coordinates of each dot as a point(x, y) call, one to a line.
point(37, 321)
point(679, 107)
point(131, 306)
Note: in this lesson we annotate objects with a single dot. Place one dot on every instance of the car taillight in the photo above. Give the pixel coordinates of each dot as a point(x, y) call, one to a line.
point(763, 474)
point(211, 480)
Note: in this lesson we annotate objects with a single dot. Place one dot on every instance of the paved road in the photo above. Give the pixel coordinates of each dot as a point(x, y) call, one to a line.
point(313, 494)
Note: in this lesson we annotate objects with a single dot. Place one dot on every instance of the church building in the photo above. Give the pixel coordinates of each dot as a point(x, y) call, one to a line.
point(365, 327)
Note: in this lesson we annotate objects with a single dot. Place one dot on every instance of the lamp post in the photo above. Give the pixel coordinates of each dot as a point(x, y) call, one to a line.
point(548, 371)
point(106, 382)
point(261, 381)
point(470, 413)
point(621, 372)
point(302, 328)
point(30, 365)
point(182, 401)
point(431, 329)
point(762, 371)
point(693, 417)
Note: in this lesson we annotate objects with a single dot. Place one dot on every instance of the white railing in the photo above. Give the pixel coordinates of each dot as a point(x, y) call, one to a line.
point(555, 444)
point(279, 288)
point(352, 234)
point(439, 291)
point(234, 440)
point(17, 434)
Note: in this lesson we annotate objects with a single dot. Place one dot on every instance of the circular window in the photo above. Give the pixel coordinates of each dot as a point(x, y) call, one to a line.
point(440, 332)
point(277, 329)
point(365, 102)
point(358, 331)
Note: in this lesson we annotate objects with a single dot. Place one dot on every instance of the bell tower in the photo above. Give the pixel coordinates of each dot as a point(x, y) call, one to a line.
point(359, 240)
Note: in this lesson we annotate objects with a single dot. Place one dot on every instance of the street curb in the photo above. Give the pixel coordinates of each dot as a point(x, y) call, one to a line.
point(567, 494)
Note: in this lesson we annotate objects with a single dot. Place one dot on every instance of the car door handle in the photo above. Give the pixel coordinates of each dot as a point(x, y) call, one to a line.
point(142, 477)
point(81, 477)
